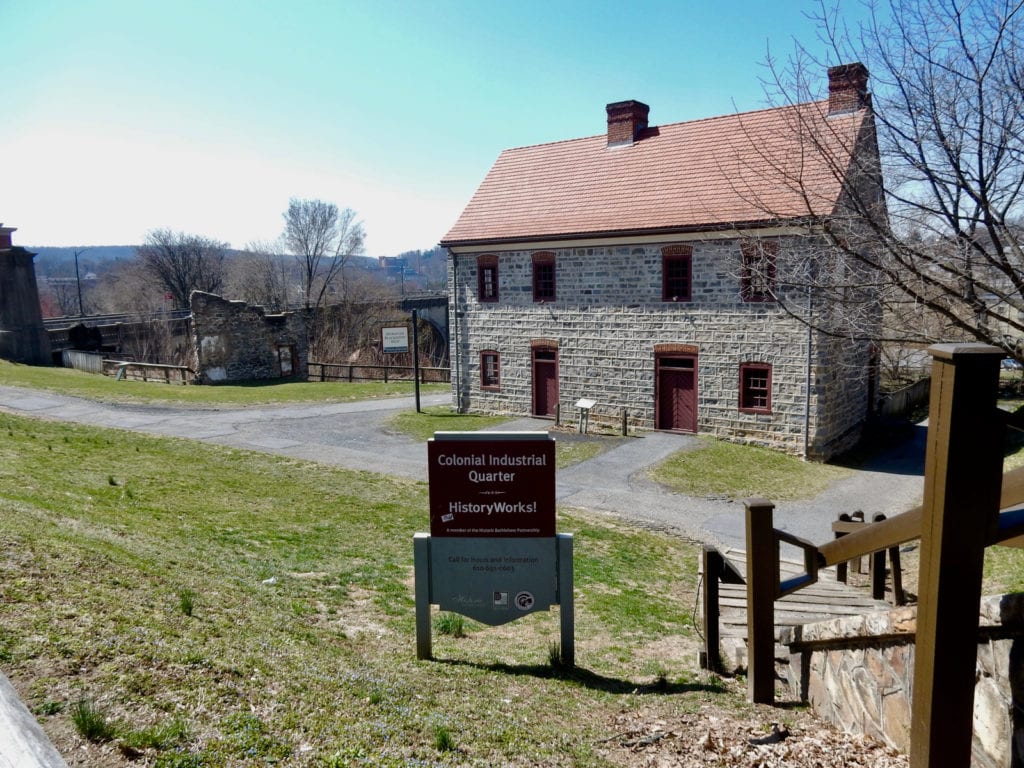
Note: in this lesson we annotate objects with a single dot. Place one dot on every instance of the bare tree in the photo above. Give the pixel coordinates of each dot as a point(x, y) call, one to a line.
point(261, 275)
point(944, 253)
point(322, 239)
point(352, 325)
point(61, 294)
point(149, 335)
point(182, 263)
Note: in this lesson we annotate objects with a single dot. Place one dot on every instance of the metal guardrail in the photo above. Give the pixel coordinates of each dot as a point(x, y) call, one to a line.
point(69, 321)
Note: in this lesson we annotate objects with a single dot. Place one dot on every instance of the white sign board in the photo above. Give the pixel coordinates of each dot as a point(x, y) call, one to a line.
point(395, 338)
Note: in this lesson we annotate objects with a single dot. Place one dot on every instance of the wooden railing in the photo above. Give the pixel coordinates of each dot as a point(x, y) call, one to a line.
point(964, 490)
point(853, 523)
point(347, 372)
point(128, 369)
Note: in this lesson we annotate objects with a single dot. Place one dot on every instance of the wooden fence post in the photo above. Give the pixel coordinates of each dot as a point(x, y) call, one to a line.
point(711, 565)
point(762, 587)
point(963, 477)
point(877, 569)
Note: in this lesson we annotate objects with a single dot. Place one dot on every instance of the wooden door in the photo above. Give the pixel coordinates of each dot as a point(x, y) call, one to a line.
point(677, 394)
point(545, 381)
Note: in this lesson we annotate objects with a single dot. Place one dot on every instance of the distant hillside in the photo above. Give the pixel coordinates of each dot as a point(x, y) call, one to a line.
point(51, 260)
point(414, 269)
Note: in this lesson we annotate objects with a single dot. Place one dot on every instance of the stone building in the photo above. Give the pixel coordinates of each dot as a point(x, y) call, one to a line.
point(23, 338)
point(238, 342)
point(642, 268)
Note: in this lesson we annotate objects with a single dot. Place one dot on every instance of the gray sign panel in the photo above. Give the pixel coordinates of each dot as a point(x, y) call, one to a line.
point(494, 580)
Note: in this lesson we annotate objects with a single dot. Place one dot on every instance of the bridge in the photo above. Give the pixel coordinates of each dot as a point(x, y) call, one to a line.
point(111, 330)
point(431, 307)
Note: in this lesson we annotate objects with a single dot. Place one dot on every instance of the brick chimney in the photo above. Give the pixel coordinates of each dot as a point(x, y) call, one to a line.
point(625, 121)
point(848, 88)
point(5, 237)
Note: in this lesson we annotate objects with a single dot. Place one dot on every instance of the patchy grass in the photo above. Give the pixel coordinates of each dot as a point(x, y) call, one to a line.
point(720, 468)
point(296, 643)
point(422, 426)
point(1004, 570)
point(442, 418)
point(569, 452)
point(67, 381)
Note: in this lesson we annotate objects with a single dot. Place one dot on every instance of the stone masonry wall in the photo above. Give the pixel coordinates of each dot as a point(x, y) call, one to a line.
point(857, 672)
point(23, 337)
point(841, 383)
point(238, 342)
point(607, 318)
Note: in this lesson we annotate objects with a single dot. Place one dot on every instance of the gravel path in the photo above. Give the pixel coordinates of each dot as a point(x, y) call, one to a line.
point(353, 435)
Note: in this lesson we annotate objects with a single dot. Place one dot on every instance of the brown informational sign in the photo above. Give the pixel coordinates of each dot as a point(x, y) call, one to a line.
point(492, 484)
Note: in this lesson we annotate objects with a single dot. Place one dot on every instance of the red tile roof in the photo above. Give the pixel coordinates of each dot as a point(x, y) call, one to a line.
point(735, 170)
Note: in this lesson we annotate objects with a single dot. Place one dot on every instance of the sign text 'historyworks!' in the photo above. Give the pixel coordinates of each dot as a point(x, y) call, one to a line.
point(500, 486)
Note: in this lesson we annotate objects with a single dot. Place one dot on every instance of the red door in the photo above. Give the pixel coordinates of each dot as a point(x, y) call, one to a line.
point(677, 394)
point(545, 381)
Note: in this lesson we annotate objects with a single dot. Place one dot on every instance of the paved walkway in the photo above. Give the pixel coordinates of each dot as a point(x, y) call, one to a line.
point(354, 435)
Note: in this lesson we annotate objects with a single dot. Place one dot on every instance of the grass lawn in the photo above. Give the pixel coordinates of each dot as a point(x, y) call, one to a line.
point(719, 468)
point(94, 386)
point(422, 426)
point(193, 605)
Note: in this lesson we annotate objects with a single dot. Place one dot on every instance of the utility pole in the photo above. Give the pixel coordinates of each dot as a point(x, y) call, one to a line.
point(78, 279)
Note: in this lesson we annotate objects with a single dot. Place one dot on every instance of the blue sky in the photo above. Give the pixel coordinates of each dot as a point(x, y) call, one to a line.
point(121, 116)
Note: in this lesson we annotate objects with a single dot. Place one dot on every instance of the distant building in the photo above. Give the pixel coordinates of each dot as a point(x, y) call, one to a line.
point(639, 268)
point(23, 339)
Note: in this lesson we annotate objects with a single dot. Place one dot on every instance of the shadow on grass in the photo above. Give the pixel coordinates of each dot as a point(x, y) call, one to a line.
point(591, 680)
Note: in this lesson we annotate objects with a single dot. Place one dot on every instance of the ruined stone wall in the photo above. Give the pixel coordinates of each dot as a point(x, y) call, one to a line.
point(857, 672)
point(607, 319)
point(238, 342)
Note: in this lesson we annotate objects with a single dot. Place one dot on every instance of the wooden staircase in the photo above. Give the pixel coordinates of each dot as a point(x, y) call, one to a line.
point(824, 600)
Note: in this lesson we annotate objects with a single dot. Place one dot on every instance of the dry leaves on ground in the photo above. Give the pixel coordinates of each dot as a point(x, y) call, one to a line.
point(713, 737)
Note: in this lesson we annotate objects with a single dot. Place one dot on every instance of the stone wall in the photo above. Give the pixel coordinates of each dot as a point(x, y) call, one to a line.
point(238, 342)
point(23, 338)
point(857, 673)
point(607, 318)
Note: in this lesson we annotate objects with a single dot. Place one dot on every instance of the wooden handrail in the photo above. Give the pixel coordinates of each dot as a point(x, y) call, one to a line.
point(960, 517)
point(871, 538)
point(810, 574)
point(907, 527)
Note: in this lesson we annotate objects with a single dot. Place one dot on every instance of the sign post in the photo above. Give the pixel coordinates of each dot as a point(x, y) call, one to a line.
point(416, 358)
point(492, 553)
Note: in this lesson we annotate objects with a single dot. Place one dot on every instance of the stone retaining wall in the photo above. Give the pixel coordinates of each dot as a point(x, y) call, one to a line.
point(857, 673)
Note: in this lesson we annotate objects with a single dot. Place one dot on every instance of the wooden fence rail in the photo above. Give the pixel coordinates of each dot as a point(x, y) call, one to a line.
point(903, 401)
point(127, 369)
point(347, 372)
point(964, 490)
